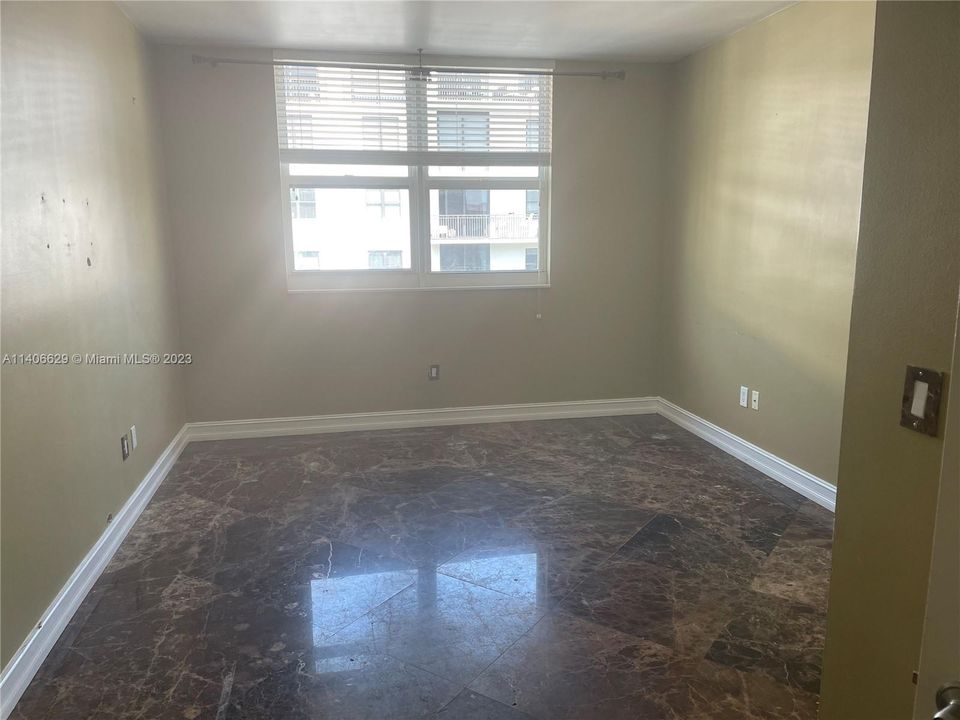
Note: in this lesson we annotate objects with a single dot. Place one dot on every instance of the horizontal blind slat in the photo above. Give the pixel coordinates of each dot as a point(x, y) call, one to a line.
point(472, 113)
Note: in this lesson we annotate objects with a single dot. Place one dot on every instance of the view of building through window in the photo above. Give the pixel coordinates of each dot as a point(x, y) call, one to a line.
point(351, 229)
point(374, 232)
point(502, 223)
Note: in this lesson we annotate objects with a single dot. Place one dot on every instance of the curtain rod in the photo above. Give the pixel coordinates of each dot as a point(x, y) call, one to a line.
point(602, 74)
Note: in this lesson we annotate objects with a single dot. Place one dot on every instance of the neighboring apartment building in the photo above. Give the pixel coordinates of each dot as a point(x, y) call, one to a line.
point(470, 230)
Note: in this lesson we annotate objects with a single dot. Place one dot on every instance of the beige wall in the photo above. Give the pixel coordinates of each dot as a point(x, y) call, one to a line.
point(758, 264)
point(263, 352)
point(940, 651)
point(904, 305)
point(77, 131)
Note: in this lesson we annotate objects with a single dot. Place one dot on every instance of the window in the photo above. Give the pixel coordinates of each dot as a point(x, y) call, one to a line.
point(384, 203)
point(532, 258)
point(533, 202)
point(464, 202)
point(308, 259)
point(384, 259)
point(303, 203)
point(465, 258)
point(434, 178)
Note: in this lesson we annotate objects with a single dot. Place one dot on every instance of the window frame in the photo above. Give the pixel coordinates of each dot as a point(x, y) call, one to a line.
point(418, 182)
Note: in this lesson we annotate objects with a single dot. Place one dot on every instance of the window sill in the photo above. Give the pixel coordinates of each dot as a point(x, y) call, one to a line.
point(298, 291)
point(410, 281)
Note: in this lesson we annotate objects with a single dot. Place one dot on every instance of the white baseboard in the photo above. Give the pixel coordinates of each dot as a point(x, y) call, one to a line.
point(807, 484)
point(26, 661)
point(23, 666)
point(396, 419)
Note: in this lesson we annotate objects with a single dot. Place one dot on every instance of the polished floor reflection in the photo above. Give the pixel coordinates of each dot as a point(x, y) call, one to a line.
point(597, 568)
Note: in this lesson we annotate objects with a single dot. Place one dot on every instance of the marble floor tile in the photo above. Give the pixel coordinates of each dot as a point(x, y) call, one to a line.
point(677, 610)
point(813, 525)
point(191, 531)
point(491, 492)
point(135, 668)
point(693, 548)
point(585, 521)
point(412, 479)
point(469, 705)
point(607, 567)
point(520, 565)
point(567, 668)
point(443, 625)
point(796, 570)
point(345, 687)
point(329, 587)
point(732, 507)
point(719, 692)
point(778, 638)
point(416, 534)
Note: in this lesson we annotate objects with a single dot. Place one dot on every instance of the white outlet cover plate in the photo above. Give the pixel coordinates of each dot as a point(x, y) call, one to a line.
point(755, 400)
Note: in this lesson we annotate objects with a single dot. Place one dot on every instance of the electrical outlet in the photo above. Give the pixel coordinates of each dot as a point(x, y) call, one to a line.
point(433, 373)
point(124, 446)
point(133, 437)
point(755, 400)
point(743, 395)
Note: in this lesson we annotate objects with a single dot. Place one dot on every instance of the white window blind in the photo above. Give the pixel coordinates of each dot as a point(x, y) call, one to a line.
point(429, 118)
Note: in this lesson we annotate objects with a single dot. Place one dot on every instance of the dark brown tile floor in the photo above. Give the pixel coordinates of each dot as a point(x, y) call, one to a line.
point(601, 568)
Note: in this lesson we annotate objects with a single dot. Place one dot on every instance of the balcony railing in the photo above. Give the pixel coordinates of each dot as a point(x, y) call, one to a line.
point(491, 227)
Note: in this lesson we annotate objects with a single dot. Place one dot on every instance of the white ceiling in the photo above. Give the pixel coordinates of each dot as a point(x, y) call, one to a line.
point(626, 30)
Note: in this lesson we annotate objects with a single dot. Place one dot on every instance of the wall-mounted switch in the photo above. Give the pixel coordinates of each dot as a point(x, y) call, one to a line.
point(921, 389)
point(743, 395)
point(755, 400)
point(133, 437)
point(124, 446)
point(433, 373)
point(920, 408)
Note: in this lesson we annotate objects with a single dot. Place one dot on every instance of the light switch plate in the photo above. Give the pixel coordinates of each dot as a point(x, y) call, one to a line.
point(755, 400)
point(744, 391)
point(920, 409)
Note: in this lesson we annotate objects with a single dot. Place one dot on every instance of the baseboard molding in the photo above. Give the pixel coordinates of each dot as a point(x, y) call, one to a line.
point(397, 419)
point(23, 666)
point(26, 661)
point(807, 484)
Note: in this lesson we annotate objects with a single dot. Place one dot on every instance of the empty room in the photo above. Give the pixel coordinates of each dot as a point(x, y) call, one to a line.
point(480, 360)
